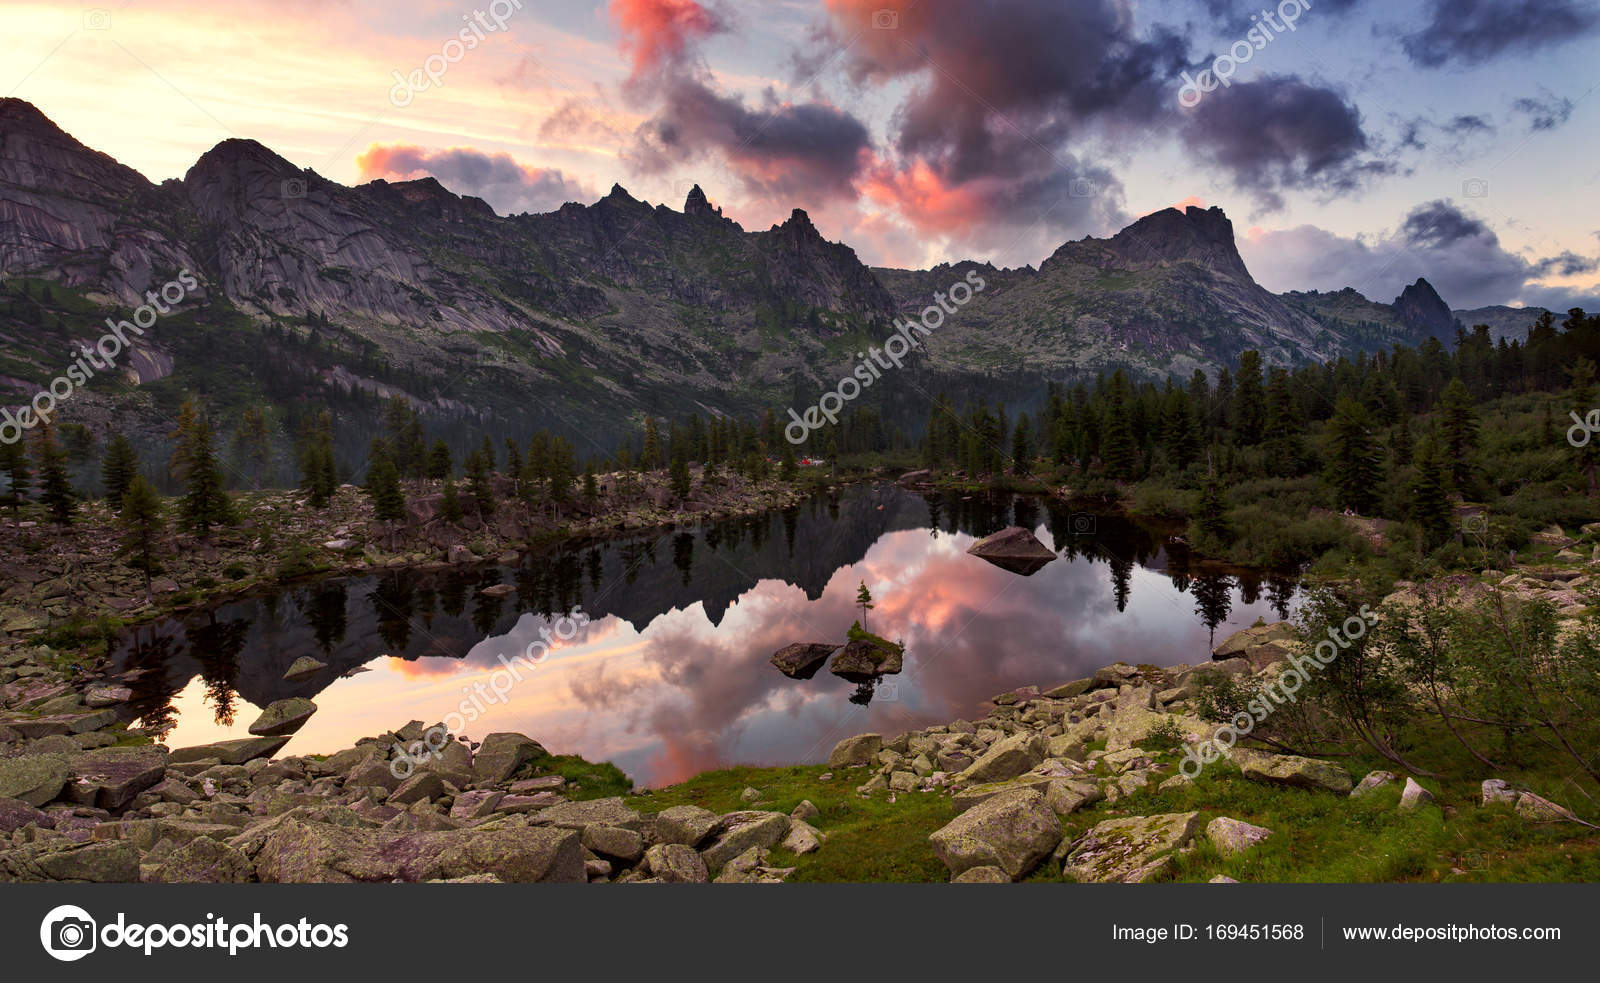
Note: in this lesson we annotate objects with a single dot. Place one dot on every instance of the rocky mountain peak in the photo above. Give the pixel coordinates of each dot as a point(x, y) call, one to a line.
point(1421, 309)
point(697, 204)
point(1198, 235)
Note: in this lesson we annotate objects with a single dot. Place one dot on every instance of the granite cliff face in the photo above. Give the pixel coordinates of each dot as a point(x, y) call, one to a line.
point(589, 316)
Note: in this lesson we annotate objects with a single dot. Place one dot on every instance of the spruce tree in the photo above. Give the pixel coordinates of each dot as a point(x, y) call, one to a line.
point(205, 504)
point(1353, 468)
point(1022, 446)
point(440, 466)
point(1430, 491)
point(679, 474)
point(142, 527)
point(319, 477)
point(1118, 452)
point(479, 488)
point(788, 469)
point(253, 443)
point(19, 477)
point(450, 503)
point(1249, 400)
point(1459, 431)
point(1211, 520)
point(383, 484)
point(55, 485)
point(117, 471)
point(651, 458)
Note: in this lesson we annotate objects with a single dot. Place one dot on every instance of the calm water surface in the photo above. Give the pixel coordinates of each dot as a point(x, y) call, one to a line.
point(671, 675)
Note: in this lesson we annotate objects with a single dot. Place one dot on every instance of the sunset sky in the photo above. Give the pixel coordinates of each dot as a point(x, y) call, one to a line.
point(1376, 142)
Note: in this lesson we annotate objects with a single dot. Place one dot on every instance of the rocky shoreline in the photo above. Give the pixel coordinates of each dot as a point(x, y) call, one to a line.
point(86, 796)
point(73, 576)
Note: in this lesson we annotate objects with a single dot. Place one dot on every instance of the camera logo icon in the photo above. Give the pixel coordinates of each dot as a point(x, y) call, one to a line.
point(889, 691)
point(1081, 524)
point(1082, 188)
point(68, 933)
point(886, 20)
point(293, 187)
point(98, 19)
point(1475, 187)
point(1476, 524)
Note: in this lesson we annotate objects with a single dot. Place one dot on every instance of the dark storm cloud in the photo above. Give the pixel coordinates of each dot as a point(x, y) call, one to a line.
point(1546, 111)
point(1457, 252)
point(785, 152)
point(778, 149)
point(1466, 31)
point(1279, 132)
point(1568, 264)
point(998, 92)
point(1440, 223)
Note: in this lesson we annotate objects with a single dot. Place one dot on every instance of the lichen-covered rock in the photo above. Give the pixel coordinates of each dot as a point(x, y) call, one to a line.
point(862, 749)
point(501, 755)
point(235, 752)
point(1414, 795)
point(738, 832)
point(675, 863)
point(1130, 849)
point(35, 779)
point(1012, 831)
point(1296, 772)
point(685, 825)
point(1006, 758)
point(1497, 790)
point(204, 860)
point(592, 812)
point(1231, 836)
point(301, 853)
point(109, 778)
point(1540, 809)
point(981, 875)
point(1373, 780)
point(803, 837)
point(1133, 725)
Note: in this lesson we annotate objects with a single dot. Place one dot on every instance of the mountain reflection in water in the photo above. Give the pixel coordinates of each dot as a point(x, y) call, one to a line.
point(671, 675)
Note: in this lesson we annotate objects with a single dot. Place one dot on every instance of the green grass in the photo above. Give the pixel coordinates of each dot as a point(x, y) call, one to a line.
point(868, 839)
point(1318, 837)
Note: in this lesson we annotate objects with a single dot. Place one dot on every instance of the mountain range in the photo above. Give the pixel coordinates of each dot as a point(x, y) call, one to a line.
point(586, 318)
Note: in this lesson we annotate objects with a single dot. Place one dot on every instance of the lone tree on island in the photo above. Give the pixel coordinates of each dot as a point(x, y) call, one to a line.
point(864, 602)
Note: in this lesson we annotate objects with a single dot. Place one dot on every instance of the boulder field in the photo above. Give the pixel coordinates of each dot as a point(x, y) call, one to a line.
point(86, 797)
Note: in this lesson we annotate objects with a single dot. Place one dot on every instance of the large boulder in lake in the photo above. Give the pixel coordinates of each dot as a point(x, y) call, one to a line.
point(1015, 549)
point(862, 660)
point(802, 659)
point(283, 717)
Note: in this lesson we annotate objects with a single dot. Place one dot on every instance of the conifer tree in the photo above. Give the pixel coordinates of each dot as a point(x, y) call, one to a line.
point(142, 526)
point(205, 503)
point(1353, 469)
point(55, 486)
point(117, 471)
point(19, 477)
